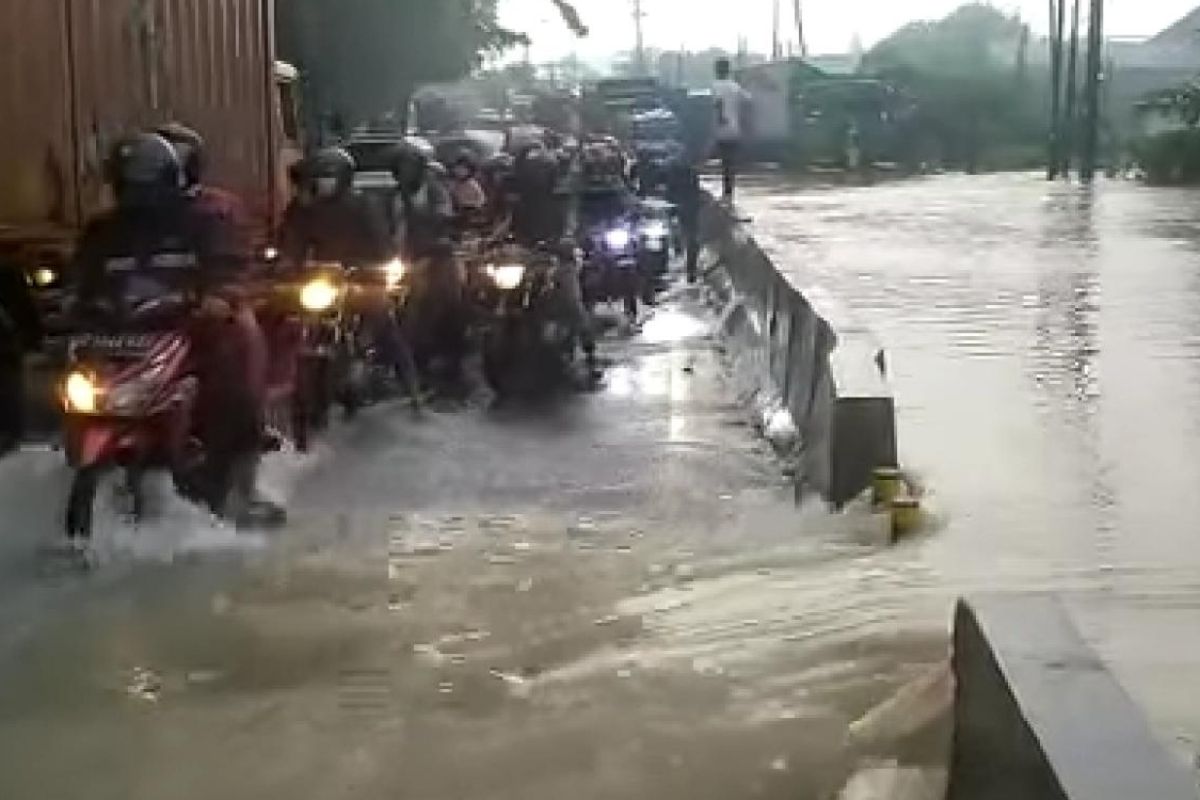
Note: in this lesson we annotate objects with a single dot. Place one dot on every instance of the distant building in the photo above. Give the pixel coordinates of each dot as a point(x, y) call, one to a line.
point(811, 110)
point(1141, 66)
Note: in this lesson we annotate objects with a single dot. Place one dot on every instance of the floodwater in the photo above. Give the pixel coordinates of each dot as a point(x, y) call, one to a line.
point(612, 594)
point(1044, 343)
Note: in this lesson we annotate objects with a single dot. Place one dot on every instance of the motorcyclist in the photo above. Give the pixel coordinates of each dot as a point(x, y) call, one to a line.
point(20, 330)
point(227, 217)
point(606, 198)
point(542, 211)
point(158, 241)
point(331, 222)
point(466, 192)
point(422, 217)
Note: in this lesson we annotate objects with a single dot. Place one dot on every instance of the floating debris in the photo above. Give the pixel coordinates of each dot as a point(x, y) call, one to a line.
point(445, 687)
point(624, 673)
point(522, 547)
point(685, 572)
point(144, 684)
point(609, 620)
point(780, 764)
point(501, 561)
point(457, 659)
point(525, 586)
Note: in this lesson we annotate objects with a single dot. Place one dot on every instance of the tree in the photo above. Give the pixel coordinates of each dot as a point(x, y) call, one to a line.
point(967, 76)
point(365, 58)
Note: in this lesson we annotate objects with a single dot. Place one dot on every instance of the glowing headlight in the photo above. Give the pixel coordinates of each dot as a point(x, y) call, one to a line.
point(656, 230)
point(617, 239)
point(318, 294)
point(508, 276)
point(80, 393)
point(270, 254)
point(393, 272)
point(44, 277)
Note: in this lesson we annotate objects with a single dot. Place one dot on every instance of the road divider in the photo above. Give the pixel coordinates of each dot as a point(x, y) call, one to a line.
point(817, 379)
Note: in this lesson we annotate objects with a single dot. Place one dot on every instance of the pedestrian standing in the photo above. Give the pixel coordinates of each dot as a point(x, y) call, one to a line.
point(728, 99)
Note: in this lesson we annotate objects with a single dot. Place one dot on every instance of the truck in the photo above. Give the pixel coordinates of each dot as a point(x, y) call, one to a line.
point(80, 74)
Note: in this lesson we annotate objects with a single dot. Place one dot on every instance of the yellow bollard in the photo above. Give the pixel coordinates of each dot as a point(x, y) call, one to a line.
point(886, 486)
point(906, 517)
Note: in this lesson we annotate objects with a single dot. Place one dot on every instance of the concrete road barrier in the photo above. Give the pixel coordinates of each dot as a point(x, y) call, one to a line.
point(1038, 717)
point(805, 357)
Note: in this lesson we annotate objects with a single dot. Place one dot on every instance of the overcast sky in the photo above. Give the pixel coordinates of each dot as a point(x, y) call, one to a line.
point(830, 24)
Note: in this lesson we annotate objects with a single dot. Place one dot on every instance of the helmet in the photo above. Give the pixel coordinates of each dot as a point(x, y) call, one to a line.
point(603, 162)
point(409, 165)
point(189, 146)
point(144, 171)
point(331, 171)
point(537, 170)
point(466, 160)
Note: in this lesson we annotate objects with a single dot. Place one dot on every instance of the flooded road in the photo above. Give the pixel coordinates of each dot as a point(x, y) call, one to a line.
point(612, 595)
point(1045, 349)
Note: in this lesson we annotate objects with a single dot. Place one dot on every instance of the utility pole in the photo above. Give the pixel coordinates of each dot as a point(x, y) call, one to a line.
point(1057, 23)
point(639, 52)
point(776, 45)
point(1071, 117)
point(803, 45)
point(1091, 90)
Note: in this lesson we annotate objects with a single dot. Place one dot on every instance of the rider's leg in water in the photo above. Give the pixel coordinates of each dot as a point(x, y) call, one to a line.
point(393, 344)
point(229, 412)
point(571, 291)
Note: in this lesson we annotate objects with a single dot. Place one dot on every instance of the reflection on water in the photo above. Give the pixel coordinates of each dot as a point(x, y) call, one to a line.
point(1045, 342)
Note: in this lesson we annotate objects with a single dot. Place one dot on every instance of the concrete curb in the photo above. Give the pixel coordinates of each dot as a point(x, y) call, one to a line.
point(818, 388)
point(1039, 717)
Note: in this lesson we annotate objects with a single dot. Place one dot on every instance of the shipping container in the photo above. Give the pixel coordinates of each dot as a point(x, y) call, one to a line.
point(75, 75)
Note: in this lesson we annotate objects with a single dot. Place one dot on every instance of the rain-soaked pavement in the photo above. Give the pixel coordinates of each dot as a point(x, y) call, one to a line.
point(1045, 348)
point(608, 596)
point(612, 596)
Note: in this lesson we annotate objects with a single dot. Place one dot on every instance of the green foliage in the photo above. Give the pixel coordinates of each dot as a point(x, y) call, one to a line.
point(364, 58)
point(1171, 157)
point(967, 77)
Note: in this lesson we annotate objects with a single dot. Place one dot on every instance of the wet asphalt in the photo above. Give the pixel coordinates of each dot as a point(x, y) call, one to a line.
point(603, 595)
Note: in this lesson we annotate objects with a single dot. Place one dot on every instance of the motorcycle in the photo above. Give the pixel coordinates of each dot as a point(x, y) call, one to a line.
point(658, 234)
point(611, 268)
point(129, 400)
point(340, 362)
point(525, 332)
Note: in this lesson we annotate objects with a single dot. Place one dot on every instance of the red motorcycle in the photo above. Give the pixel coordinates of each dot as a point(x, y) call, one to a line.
point(129, 398)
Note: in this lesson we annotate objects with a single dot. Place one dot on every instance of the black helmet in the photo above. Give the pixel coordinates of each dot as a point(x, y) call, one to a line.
point(331, 171)
point(466, 158)
point(189, 146)
point(537, 170)
point(144, 171)
point(410, 164)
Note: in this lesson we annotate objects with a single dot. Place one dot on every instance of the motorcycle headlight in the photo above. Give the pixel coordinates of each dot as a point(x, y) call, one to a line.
point(80, 393)
point(44, 277)
point(393, 273)
point(318, 295)
point(656, 230)
point(270, 254)
point(617, 239)
point(507, 276)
